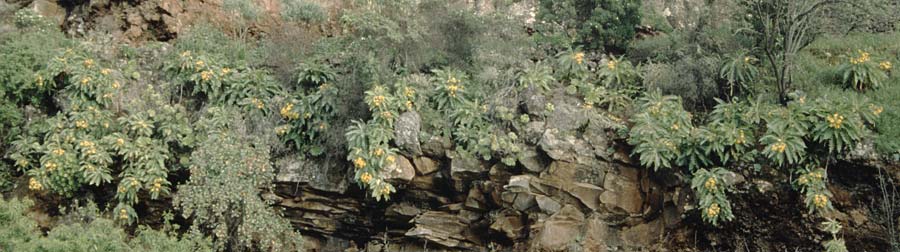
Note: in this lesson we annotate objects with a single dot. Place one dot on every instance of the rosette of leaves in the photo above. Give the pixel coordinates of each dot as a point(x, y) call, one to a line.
point(537, 76)
point(308, 117)
point(786, 128)
point(314, 73)
point(611, 99)
point(449, 88)
point(659, 130)
point(571, 66)
point(836, 244)
point(813, 183)
point(731, 136)
point(739, 71)
point(837, 124)
point(710, 188)
point(370, 155)
point(619, 73)
point(861, 73)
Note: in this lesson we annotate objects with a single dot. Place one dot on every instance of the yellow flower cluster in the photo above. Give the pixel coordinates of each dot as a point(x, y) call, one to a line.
point(675, 126)
point(85, 80)
point(387, 115)
point(779, 146)
point(579, 58)
point(390, 159)
point(876, 110)
point(185, 54)
point(453, 86)
point(22, 163)
point(378, 152)
point(365, 177)
point(58, 152)
point(39, 81)
point(120, 141)
point(199, 63)
point(90, 168)
point(206, 75)
point(385, 190)
point(123, 214)
point(747, 59)
point(81, 124)
point(713, 210)
point(281, 130)
point(835, 120)
point(863, 58)
point(409, 105)
point(258, 103)
point(33, 184)
point(115, 84)
point(710, 184)
point(89, 146)
point(820, 200)
point(741, 139)
point(226, 70)
point(612, 64)
point(409, 92)
point(886, 65)
point(51, 165)
point(88, 63)
point(287, 112)
point(105, 71)
point(359, 163)
point(157, 185)
point(378, 100)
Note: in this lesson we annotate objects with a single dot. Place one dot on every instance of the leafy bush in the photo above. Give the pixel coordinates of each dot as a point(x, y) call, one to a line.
point(21, 233)
point(222, 197)
point(302, 11)
point(594, 24)
point(739, 72)
point(710, 188)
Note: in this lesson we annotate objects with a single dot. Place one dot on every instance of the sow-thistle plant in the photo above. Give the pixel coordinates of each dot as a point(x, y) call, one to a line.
point(450, 88)
point(813, 183)
point(730, 134)
point(538, 76)
point(786, 128)
point(837, 125)
point(571, 66)
point(370, 156)
point(660, 130)
point(739, 71)
point(710, 188)
point(620, 73)
point(836, 244)
point(861, 73)
point(308, 118)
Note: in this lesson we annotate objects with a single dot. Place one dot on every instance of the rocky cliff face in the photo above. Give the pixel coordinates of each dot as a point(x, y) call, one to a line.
point(574, 190)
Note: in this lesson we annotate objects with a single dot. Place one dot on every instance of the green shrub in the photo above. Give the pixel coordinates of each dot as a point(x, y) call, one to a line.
point(710, 187)
point(92, 233)
point(302, 11)
point(594, 24)
point(229, 168)
point(861, 73)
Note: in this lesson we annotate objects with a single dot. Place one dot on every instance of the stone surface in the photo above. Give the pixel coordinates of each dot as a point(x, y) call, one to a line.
point(566, 147)
point(532, 160)
point(441, 228)
point(623, 191)
point(324, 174)
point(425, 165)
point(560, 230)
point(406, 133)
point(401, 171)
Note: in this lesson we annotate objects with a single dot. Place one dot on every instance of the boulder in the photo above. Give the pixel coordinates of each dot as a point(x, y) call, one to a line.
point(642, 236)
point(560, 230)
point(532, 160)
point(547, 204)
point(442, 228)
point(401, 171)
point(406, 133)
point(533, 132)
point(437, 146)
point(425, 165)
point(320, 174)
point(567, 114)
point(510, 224)
point(622, 191)
point(567, 148)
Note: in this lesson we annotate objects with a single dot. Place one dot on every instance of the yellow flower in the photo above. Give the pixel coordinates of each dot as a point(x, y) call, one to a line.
point(409, 92)
point(675, 126)
point(90, 168)
point(835, 120)
point(307, 115)
point(199, 63)
point(157, 185)
point(579, 57)
point(115, 84)
point(22, 163)
point(820, 200)
point(713, 210)
point(81, 124)
point(802, 180)
point(409, 105)
point(741, 139)
point(59, 152)
point(88, 63)
point(123, 214)
point(779, 147)
point(876, 110)
point(378, 100)
point(206, 75)
point(385, 190)
point(710, 184)
point(453, 81)
point(390, 159)
point(120, 141)
point(105, 71)
point(226, 70)
point(85, 80)
point(886, 65)
point(259, 104)
point(121, 189)
point(186, 54)
point(378, 152)
point(387, 115)
point(33, 184)
point(747, 59)
point(39, 81)
point(288, 113)
point(359, 163)
point(365, 177)
point(51, 165)
point(86, 143)
point(611, 64)
point(135, 183)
